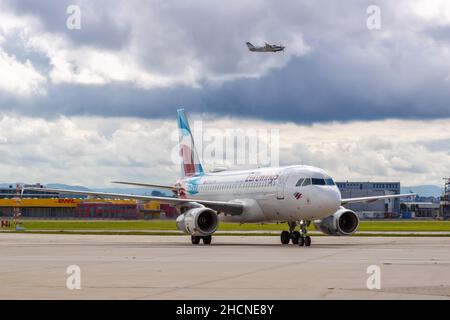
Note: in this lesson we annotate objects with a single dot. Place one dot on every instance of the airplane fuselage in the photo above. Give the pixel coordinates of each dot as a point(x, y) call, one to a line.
point(264, 49)
point(273, 194)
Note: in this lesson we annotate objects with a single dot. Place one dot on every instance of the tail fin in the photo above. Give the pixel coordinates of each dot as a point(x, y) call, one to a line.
point(191, 165)
point(250, 46)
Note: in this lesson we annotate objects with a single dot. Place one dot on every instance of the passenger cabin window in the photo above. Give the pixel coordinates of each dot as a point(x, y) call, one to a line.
point(299, 182)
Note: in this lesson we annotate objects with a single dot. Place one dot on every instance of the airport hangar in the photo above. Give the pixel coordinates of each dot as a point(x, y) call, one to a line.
point(42, 204)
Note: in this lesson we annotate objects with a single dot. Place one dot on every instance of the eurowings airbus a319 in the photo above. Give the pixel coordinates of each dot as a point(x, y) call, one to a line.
point(297, 195)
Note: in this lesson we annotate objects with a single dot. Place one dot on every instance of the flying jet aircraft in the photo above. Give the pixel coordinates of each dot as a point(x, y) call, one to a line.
point(297, 195)
point(266, 48)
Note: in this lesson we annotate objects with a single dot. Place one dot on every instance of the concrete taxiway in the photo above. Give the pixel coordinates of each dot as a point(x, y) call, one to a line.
point(33, 266)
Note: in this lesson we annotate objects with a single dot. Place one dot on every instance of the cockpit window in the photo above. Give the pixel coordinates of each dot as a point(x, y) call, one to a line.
point(306, 182)
point(318, 182)
point(315, 181)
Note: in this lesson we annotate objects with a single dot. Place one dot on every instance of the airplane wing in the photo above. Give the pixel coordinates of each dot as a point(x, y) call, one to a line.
point(375, 198)
point(146, 185)
point(232, 208)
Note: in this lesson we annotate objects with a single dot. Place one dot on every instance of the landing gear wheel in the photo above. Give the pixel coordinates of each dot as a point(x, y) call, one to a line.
point(301, 241)
point(195, 239)
point(307, 241)
point(295, 236)
point(285, 237)
point(207, 239)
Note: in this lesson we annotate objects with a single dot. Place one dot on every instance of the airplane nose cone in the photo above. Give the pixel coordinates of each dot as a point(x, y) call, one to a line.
point(337, 197)
point(329, 200)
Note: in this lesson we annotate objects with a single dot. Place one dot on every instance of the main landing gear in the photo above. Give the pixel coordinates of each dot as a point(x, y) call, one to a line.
point(297, 237)
point(206, 239)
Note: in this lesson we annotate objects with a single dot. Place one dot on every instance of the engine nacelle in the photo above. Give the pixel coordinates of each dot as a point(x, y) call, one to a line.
point(199, 221)
point(343, 222)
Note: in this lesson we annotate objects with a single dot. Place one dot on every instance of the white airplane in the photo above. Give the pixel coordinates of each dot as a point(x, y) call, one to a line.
point(297, 195)
point(266, 48)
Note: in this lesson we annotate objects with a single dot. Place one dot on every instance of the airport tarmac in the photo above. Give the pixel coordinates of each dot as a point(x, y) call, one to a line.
point(33, 266)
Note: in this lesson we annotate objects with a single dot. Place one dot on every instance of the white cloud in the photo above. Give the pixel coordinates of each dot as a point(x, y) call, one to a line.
point(435, 11)
point(91, 66)
point(19, 78)
point(93, 151)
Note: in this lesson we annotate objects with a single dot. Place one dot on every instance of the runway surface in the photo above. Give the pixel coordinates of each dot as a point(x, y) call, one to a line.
point(33, 266)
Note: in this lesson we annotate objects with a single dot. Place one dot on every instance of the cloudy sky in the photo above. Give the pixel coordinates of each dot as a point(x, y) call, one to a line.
point(95, 104)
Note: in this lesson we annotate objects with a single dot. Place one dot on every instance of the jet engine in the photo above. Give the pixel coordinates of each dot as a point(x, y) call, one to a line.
point(343, 222)
point(200, 221)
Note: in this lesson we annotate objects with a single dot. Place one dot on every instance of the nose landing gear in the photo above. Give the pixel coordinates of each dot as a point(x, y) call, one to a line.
point(297, 237)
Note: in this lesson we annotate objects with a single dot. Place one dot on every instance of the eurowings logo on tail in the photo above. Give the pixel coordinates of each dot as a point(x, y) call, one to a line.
point(191, 165)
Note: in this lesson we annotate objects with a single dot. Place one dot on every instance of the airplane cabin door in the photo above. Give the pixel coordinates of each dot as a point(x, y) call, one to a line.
point(281, 186)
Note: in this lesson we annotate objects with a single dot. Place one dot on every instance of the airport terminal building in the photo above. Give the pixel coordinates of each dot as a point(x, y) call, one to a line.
point(389, 208)
point(445, 201)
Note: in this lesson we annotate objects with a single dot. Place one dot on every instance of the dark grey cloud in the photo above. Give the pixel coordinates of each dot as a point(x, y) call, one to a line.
point(99, 26)
point(350, 72)
point(441, 33)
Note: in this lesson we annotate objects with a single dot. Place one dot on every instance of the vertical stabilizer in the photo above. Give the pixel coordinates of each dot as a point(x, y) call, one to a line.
point(250, 46)
point(191, 165)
